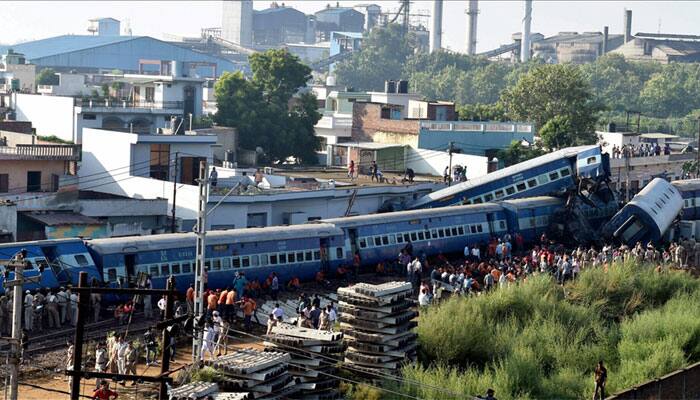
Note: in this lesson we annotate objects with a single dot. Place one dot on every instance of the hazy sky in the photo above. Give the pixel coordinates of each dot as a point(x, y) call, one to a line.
point(27, 20)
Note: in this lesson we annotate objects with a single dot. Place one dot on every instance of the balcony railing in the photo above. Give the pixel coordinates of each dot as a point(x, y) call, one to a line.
point(60, 152)
point(140, 104)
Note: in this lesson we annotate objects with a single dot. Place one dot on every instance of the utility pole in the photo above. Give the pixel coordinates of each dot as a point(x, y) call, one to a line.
point(165, 357)
point(173, 222)
point(16, 283)
point(79, 335)
point(697, 152)
point(449, 171)
point(200, 260)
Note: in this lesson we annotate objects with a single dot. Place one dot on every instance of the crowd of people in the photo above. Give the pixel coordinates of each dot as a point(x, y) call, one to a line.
point(640, 150)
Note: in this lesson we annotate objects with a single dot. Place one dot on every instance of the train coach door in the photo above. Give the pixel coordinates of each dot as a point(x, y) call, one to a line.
point(130, 268)
point(491, 220)
point(55, 263)
point(324, 254)
point(352, 237)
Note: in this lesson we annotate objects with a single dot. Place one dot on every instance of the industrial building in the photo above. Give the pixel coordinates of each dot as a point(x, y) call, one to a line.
point(278, 25)
point(661, 47)
point(338, 19)
point(105, 51)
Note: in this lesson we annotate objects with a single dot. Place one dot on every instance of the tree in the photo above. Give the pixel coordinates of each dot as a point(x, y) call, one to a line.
point(517, 153)
point(47, 76)
point(267, 111)
point(549, 91)
point(482, 112)
point(382, 57)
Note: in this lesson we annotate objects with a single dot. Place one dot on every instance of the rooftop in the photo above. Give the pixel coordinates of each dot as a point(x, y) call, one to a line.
point(370, 145)
point(58, 218)
point(65, 44)
point(48, 152)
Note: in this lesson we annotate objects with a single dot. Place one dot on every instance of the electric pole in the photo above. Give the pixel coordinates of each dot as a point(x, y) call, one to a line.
point(200, 271)
point(16, 326)
point(697, 152)
point(450, 150)
point(173, 222)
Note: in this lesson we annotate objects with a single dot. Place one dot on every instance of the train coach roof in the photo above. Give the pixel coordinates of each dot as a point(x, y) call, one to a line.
point(687, 184)
point(175, 240)
point(501, 173)
point(530, 202)
point(413, 214)
point(46, 242)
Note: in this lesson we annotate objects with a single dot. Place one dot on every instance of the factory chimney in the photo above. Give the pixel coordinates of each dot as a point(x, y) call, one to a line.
point(605, 39)
point(436, 29)
point(525, 39)
point(472, 13)
point(628, 25)
point(237, 22)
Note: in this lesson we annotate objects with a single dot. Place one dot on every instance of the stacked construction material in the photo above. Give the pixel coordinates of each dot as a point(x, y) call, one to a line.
point(263, 375)
point(314, 355)
point(194, 390)
point(377, 322)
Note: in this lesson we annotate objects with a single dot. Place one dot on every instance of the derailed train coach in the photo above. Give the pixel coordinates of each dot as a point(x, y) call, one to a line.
point(648, 216)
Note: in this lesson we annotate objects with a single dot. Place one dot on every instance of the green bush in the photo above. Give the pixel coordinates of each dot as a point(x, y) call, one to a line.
point(539, 340)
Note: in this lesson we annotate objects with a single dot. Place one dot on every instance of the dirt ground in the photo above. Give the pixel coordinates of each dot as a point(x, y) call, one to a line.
point(51, 379)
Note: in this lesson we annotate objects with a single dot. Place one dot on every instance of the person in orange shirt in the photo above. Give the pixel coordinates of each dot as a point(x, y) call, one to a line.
point(213, 302)
point(248, 306)
point(496, 274)
point(293, 284)
point(190, 299)
point(254, 288)
point(230, 305)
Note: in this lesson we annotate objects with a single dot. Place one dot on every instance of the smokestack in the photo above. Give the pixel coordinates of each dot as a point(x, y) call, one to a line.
point(525, 40)
point(628, 25)
point(436, 31)
point(472, 14)
point(605, 40)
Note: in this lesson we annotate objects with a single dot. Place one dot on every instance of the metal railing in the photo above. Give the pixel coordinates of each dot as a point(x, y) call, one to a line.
point(64, 152)
point(142, 104)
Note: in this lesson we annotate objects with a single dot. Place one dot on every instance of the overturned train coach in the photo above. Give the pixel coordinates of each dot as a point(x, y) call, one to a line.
point(290, 251)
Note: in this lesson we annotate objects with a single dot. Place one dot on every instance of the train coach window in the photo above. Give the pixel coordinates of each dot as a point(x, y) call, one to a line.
point(363, 243)
point(520, 187)
point(245, 261)
point(273, 259)
point(591, 160)
point(282, 258)
point(406, 237)
point(165, 269)
point(421, 236)
point(472, 228)
point(399, 238)
point(226, 263)
point(81, 260)
point(531, 183)
point(499, 193)
point(176, 269)
point(254, 260)
point(309, 256)
point(154, 270)
point(112, 274)
point(477, 200)
point(460, 230)
point(263, 260)
point(339, 253)
point(454, 232)
point(377, 241)
point(427, 235)
point(414, 237)
point(291, 257)
point(554, 175)
point(435, 233)
point(217, 264)
point(207, 265)
point(317, 255)
point(441, 233)
point(300, 256)
point(564, 172)
point(186, 268)
point(488, 197)
point(385, 240)
point(502, 224)
point(510, 190)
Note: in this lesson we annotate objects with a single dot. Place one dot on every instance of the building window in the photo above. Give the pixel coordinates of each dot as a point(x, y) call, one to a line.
point(4, 183)
point(150, 94)
point(54, 182)
point(160, 161)
point(90, 117)
point(33, 181)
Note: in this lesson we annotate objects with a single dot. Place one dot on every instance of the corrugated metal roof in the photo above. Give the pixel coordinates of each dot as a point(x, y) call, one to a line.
point(65, 44)
point(336, 10)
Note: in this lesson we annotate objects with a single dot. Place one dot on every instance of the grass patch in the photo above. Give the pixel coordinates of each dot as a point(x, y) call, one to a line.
point(539, 340)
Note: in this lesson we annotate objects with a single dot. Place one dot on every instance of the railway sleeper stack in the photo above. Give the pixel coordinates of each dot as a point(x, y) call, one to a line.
point(314, 358)
point(376, 321)
point(255, 374)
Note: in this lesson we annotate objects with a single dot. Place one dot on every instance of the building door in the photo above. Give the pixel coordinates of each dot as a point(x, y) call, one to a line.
point(188, 97)
point(33, 181)
point(189, 169)
point(130, 266)
point(137, 94)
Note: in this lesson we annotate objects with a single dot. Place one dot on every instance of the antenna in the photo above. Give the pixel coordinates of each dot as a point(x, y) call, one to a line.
point(127, 27)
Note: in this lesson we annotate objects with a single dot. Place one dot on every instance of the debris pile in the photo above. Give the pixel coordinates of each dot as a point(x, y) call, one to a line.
point(376, 321)
point(314, 358)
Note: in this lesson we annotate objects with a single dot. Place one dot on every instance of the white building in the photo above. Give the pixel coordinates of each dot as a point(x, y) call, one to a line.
point(134, 103)
point(16, 74)
point(68, 85)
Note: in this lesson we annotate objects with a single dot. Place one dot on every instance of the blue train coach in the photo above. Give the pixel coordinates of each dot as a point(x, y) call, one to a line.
point(647, 216)
point(545, 175)
point(292, 251)
point(531, 216)
point(62, 259)
point(690, 191)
